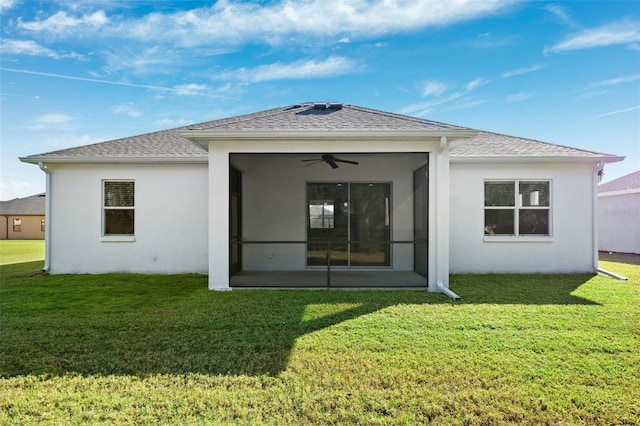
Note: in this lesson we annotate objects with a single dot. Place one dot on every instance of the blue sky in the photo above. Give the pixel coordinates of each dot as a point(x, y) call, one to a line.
point(85, 71)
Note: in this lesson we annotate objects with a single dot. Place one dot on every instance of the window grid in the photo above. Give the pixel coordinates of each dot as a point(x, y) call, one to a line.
point(118, 206)
point(519, 206)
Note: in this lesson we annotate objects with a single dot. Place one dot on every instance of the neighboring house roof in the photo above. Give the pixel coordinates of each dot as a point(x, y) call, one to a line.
point(628, 182)
point(169, 145)
point(27, 206)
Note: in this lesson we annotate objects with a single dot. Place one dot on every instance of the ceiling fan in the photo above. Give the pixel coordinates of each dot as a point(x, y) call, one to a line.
point(331, 160)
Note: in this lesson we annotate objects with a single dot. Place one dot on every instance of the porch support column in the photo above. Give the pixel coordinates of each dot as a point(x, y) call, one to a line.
point(442, 217)
point(218, 218)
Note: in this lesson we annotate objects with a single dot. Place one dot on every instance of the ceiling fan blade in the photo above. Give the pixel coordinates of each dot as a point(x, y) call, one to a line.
point(332, 164)
point(314, 159)
point(314, 162)
point(346, 161)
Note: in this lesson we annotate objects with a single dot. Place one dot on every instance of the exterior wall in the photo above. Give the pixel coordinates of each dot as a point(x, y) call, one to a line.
point(619, 222)
point(570, 249)
point(31, 228)
point(274, 203)
point(170, 219)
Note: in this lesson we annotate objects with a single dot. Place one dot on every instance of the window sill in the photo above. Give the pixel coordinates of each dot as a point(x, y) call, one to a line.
point(118, 239)
point(513, 239)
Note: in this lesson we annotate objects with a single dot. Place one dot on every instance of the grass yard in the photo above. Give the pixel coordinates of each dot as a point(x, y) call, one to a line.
point(20, 251)
point(139, 349)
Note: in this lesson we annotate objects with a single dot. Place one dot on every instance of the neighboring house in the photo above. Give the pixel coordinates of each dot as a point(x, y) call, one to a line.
point(619, 214)
point(239, 199)
point(23, 218)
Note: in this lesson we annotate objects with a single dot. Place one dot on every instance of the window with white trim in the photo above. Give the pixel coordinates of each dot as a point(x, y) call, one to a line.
point(17, 225)
point(118, 204)
point(517, 208)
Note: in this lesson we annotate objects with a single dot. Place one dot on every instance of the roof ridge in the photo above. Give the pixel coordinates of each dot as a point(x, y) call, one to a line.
point(242, 117)
point(406, 117)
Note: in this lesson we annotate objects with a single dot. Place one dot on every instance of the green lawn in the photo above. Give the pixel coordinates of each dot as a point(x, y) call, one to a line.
point(140, 349)
point(19, 251)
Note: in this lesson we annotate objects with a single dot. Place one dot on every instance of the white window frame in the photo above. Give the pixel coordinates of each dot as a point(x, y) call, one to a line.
point(516, 237)
point(117, 237)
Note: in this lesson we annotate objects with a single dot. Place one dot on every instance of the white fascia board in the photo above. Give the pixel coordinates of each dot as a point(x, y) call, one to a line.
point(111, 160)
point(203, 137)
point(620, 192)
point(533, 159)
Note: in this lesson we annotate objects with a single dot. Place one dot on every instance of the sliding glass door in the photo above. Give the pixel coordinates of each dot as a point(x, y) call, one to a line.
point(350, 219)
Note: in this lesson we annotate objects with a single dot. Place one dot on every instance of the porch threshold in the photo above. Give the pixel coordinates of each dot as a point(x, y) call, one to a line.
point(361, 280)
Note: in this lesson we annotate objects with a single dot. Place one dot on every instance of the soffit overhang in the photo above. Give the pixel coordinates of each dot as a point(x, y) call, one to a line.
point(204, 137)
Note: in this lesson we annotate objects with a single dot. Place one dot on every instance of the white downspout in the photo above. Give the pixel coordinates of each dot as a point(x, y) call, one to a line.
point(596, 174)
point(47, 216)
point(443, 218)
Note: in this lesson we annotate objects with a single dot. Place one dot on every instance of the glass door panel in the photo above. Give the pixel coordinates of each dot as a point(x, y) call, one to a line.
point(328, 222)
point(370, 224)
point(354, 218)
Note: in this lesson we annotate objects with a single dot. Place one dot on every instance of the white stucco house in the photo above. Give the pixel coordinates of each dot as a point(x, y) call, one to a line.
point(619, 214)
point(322, 194)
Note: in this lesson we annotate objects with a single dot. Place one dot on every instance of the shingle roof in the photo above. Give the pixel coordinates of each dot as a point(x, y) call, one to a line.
point(624, 183)
point(323, 116)
point(491, 145)
point(165, 143)
point(33, 205)
point(169, 144)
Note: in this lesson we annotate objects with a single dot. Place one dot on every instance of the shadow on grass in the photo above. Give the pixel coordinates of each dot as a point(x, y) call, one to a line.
point(148, 324)
point(521, 289)
point(625, 258)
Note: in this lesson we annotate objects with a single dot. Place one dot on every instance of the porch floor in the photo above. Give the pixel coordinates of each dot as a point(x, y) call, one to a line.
point(318, 279)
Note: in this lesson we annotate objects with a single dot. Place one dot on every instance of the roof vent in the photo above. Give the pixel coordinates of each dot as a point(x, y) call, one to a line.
point(327, 105)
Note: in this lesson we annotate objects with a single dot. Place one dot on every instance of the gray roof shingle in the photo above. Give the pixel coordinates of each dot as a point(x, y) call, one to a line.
point(27, 206)
point(321, 116)
point(624, 183)
point(169, 144)
point(491, 145)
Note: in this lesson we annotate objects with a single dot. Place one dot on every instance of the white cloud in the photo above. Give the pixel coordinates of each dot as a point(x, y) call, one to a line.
point(170, 122)
point(232, 22)
point(433, 88)
point(61, 23)
point(191, 89)
point(559, 12)
point(7, 4)
point(127, 109)
point(31, 48)
point(440, 97)
point(100, 81)
point(607, 35)
point(302, 69)
point(620, 111)
point(616, 81)
point(517, 97)
point(475, 83)
point(58, 141)
point(156, 59)
point(466, 103)
point(56, 120)
point(521, 71)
